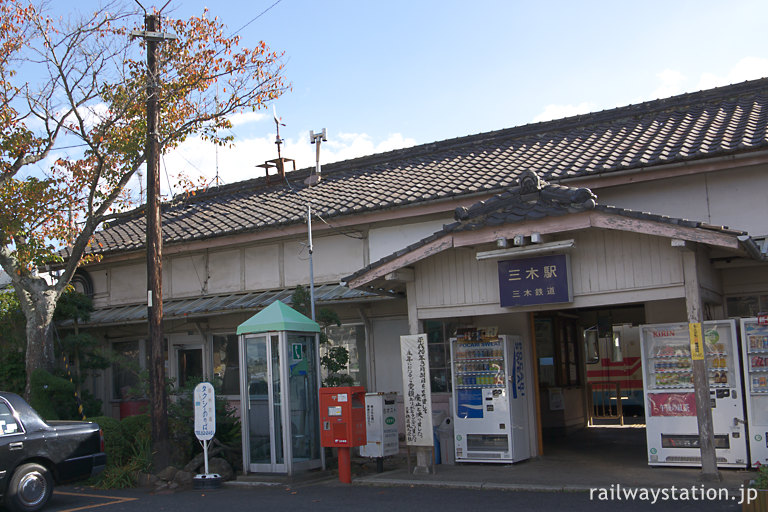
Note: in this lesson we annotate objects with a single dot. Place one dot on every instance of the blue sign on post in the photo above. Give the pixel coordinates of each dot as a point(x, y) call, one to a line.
point(533, 281)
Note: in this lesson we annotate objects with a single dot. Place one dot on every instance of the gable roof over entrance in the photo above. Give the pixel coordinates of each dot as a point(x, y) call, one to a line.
point(728, 121)
point(536, 206)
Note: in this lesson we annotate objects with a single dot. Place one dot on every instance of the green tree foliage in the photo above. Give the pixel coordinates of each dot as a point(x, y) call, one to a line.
point(12, 343)
point(81, 351)
point(333, 360)
point(80, 82)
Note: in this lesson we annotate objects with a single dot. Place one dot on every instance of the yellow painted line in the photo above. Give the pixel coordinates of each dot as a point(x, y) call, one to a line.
point(115, 500)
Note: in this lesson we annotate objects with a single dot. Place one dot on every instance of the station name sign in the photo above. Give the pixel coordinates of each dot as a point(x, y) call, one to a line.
point(534, 281)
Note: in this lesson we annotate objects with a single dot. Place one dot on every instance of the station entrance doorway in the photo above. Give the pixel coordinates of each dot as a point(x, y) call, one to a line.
point(590, 373)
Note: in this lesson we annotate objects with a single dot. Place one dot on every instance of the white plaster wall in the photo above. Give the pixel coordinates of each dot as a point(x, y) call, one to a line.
point(262, 267)
point(224, 270)
point(100, 280)
point(383, 241)
point(734, 198)
point(333, 258)
point(128, 283)
point(189, 275)
point(385, 340)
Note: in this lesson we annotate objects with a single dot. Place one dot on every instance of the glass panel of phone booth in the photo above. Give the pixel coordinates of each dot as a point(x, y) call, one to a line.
point(302, 377)
point(257, 367)
point(277, 403)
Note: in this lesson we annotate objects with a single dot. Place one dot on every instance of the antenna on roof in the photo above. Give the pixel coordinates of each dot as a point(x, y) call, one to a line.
point(316, 138)
point(279, 162)
point(278, 124)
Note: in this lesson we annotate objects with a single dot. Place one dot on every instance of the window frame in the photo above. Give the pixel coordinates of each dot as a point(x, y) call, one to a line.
point(212, 369)
point(143, 365)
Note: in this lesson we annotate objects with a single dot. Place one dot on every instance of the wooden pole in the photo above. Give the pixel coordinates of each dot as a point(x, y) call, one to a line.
point(158, 407)
point(536, 387)
point(700, 377)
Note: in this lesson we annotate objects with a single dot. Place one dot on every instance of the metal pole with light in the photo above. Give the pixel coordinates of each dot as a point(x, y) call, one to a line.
point(314, 138)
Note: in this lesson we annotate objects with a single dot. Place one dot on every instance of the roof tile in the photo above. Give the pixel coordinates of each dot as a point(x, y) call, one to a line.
point(717, 122)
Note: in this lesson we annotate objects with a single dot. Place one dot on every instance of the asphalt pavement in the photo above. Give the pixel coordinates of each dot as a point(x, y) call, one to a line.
point(593, 469)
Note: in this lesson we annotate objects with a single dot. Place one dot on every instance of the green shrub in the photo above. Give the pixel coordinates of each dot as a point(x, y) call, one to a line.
point(128, 448)
point(53, 397)
point(116, 445)
point(181, 421)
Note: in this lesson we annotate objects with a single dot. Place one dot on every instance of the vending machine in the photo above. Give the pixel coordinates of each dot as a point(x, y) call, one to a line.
point(492, 397)
point(754, 344)
point(670, 404)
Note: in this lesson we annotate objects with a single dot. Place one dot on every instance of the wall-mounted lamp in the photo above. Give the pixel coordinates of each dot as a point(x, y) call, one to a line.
point(558, 246)
point(502, 243)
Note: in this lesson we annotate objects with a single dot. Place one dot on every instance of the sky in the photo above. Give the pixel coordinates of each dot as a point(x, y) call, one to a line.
point(387, 75)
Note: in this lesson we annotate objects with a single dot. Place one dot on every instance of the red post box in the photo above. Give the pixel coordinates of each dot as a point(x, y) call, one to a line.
point(342, 417)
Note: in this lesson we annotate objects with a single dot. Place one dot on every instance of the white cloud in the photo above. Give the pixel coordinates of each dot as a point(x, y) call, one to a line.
point(748, 68)
point(672, 82)
point(198, 158)
point(559, 111)
point(246, 117)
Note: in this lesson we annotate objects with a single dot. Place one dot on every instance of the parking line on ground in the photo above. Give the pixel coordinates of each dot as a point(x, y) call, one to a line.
point(115, 500)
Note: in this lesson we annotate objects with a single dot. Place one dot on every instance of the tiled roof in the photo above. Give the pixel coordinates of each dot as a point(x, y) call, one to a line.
point(193, 307)
point(518, 205)
point(717, 122)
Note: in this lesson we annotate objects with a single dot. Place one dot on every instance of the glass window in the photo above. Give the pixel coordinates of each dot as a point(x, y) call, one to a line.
point(8, 425)
point(125, 370)
point(351, 337)
point(557, 349)
point(225, 363)
point(439, 333)
point(747, 305)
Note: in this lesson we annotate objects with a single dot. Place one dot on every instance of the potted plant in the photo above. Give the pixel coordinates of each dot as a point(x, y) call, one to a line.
point(757, 488)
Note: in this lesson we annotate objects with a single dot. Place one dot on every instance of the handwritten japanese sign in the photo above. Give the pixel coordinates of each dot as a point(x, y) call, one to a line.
point(531, 281)
point(417, 391)
point(697, 341)
point(205, 411)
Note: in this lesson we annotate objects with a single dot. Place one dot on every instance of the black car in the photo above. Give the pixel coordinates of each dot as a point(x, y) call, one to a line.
point(35, 454)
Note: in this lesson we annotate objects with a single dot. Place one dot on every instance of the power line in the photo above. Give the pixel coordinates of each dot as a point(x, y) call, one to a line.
point(257, 17)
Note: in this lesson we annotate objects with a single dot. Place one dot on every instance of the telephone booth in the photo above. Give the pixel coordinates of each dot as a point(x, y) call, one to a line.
point(279, 382)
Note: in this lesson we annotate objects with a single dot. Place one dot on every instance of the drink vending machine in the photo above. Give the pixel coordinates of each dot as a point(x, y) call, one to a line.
point(492, 397)
point(670, 404)
point(755, 356)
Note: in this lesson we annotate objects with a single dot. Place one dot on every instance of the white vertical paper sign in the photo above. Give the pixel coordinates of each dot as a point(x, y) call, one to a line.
point(205, 411)
point(417, 392)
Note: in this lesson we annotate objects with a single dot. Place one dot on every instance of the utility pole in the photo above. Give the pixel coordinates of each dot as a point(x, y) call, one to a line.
point(158, 399)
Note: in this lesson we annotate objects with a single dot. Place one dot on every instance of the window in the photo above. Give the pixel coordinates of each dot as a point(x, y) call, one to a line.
point(557, 349)
point(352, 337)
point(226, 368)
point(439, 333)
point(126, 370)
point(746, 305)
point(8, 425)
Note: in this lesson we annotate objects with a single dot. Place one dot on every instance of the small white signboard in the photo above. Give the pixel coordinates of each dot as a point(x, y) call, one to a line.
point(417, 392)
point(205, 411)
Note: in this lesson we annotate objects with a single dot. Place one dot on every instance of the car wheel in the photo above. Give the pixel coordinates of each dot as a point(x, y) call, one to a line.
point(30, 488)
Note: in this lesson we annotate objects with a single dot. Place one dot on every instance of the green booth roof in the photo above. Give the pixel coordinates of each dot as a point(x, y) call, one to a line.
point(277, 317)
